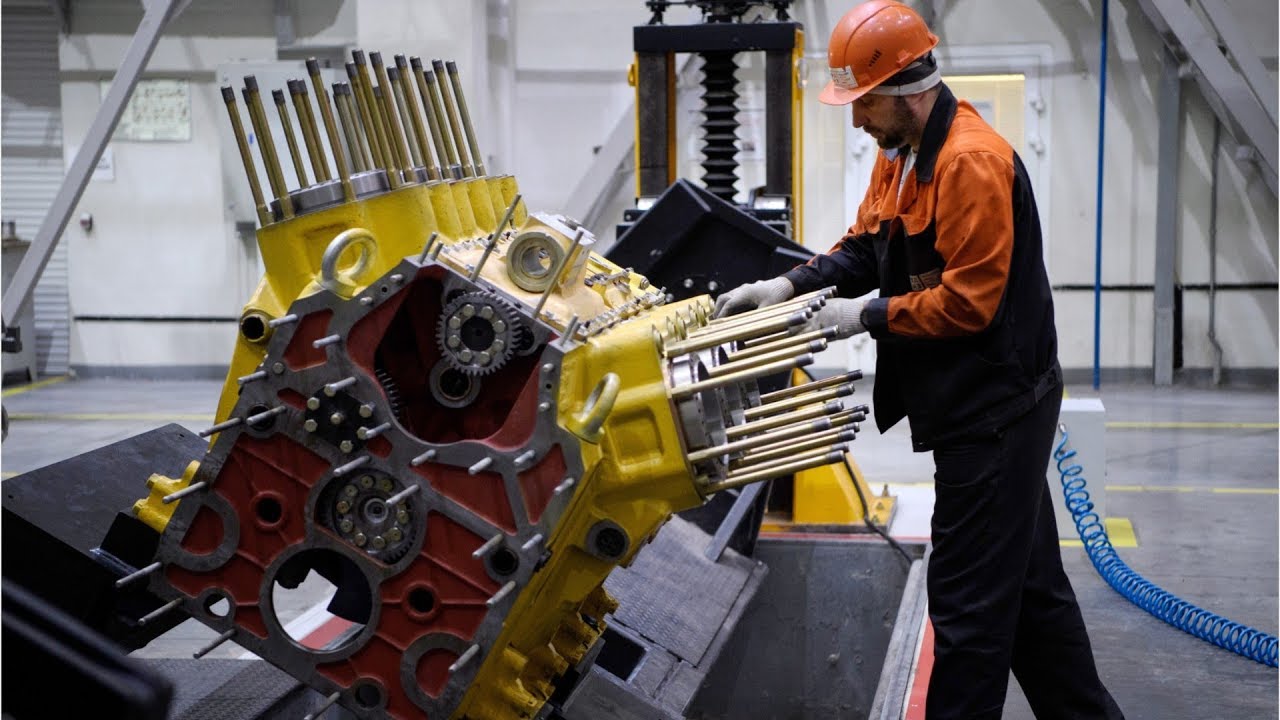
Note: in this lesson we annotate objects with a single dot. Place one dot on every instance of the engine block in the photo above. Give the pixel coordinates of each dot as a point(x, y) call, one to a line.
point(459, 415)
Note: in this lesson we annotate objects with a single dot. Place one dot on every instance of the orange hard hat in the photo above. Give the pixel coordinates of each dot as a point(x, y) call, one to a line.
point(872, 43)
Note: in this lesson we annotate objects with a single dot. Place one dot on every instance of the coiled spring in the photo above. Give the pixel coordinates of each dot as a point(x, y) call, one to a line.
point(1241, 639)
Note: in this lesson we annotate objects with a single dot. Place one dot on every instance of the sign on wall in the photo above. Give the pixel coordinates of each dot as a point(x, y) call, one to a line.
point(158, 111)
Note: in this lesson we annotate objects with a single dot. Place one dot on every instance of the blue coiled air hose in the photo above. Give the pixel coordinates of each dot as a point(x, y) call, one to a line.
point(1241, 639)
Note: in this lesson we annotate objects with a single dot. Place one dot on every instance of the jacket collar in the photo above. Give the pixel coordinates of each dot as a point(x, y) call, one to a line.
point(936, 129)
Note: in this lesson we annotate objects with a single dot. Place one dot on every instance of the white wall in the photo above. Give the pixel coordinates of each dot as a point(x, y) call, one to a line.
point(1246, 321)
point(546, 83)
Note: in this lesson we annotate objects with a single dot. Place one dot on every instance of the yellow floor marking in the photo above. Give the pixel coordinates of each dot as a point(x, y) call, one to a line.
point(80, 417)
point(33, 386)
point(1145, 425)
point(1248, 491)
point(1119, 530)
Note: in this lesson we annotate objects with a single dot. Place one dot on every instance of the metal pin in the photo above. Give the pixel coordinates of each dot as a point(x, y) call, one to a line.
point(403, 495)
point(548, 367)
point(328, 703)
point(282, 320)
point(227, 424)
point(755, 464)
point(827, 334)
point(431, 110)
point(246, 379)
point(466, 657)
point(410, 100)
point(838, 435)
point(813, 346)
point(367, 433)
point(266, 415)
point(283, 111)
point(330, 129)
point(555, 277)
point(426, 249)
point(810, 387)
point(489, 546)
point(188, 490)
point(367, 120)
point(494, 237)
point(704, 342)
point(772, 423)
point(302, 106)
point(395, 136)
point(397, 91)
point(246, 157)
point(748, 374)
point(532, 543)
point(498, 596)
point(138, 574)
point(570, 330)
point(439, 126)
point(480, 466)
point(544, 406)
point(424, 457)
point(789, 404)
point(155, 614)
point(565, 486)
point(354, 464)
point(451, 113)
point(525, 457)
point(383, 133)
point(266, 146)
point(786, 433)
point(738, 480)
point(211, 646)
point(327, 341)
point(435, 252)
point(467, 127)
point(332, 388)
point(813, 301)
point(350, 130)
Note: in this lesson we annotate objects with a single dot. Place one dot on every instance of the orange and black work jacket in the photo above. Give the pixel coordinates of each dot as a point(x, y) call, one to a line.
point(964, 323)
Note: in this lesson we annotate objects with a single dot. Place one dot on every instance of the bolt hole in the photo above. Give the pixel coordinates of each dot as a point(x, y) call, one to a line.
point(368, 695)
point(422, 600)
point(217, 605)
point(269, 510)
point(384, 289)
point(261, 424)
point(504, 562)
point(454, 384)
point(611, 542)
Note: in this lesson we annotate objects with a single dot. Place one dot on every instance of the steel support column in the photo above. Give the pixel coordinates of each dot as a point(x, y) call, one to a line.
point(1168, 150)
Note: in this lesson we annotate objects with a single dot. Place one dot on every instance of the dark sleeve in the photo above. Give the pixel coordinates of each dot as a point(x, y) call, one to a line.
point(851, 265)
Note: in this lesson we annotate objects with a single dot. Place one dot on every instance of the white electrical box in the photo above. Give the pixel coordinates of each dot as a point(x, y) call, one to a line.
point(1086, 423)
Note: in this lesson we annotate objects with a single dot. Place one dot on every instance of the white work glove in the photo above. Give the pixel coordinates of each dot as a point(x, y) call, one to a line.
point(754, 295)
point(843, 313)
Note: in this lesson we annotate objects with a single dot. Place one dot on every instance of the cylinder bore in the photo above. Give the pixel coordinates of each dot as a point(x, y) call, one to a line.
point(532, 259)
point(453, 388)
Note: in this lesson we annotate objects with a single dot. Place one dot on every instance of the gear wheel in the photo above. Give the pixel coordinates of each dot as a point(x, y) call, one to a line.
point(479, 332)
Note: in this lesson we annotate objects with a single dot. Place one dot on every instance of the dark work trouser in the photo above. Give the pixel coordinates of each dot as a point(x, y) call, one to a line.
point(998, 596)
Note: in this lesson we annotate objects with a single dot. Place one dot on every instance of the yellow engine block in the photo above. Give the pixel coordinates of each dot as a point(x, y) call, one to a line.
point(459, 414)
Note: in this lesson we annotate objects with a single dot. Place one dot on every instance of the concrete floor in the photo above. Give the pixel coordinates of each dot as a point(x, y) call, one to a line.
point(1200, 490)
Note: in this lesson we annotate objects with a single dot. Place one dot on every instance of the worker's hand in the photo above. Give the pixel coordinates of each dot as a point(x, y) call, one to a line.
point(754, 295)
point(843, 313)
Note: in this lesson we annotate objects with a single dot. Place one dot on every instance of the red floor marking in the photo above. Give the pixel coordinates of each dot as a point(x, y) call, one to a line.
point(323, 635)
point(924, 669)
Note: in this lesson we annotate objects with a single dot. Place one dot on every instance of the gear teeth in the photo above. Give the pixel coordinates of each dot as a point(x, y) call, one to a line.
point(510, 333)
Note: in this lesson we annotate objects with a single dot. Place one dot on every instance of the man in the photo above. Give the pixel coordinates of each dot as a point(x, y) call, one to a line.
point(967, 352)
